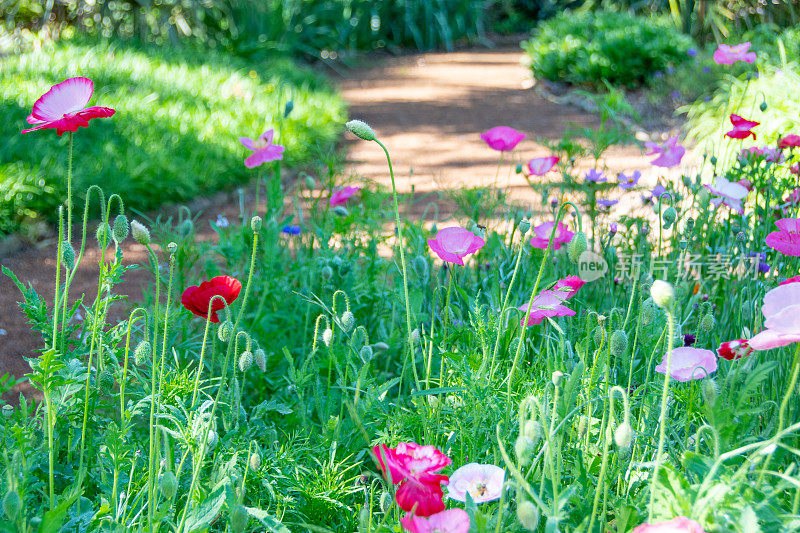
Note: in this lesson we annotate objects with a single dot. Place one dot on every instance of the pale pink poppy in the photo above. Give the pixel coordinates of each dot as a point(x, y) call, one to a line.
point(63, 107)
point(542, 233)
point(728, 55)
point(453, 244)
point(670, 152)
point(680, 524)
point(540, 166)
point(781, 318)
point(450, 521)
point(734, 349)
point(263, 149)
point(341, 196)
point(413, 466)
point(689, 363)
point(787, 239)
point(742, 128)
point(549, 303)
point(502, 138)
point(483, 482)
point(728, 193)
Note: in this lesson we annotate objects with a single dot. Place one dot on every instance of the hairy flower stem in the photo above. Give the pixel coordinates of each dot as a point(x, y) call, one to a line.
point(69, 190)
point(446, 322)
point(662, 422)
point(153, 367)
point(410, 353)
point(792, 385)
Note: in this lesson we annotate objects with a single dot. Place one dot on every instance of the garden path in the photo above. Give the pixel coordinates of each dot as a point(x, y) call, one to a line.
point(429, 109)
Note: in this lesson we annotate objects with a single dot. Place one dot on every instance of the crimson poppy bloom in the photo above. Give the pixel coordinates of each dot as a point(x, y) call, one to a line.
point(742, 128)
point(63, 107)
point(414, 468)
point(197, 298)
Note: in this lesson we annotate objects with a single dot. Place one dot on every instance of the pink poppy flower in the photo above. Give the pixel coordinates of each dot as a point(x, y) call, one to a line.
point(451, 521)
point(629, 182)
point(413, 466)
point(547, 304)
point(502, 138)
point(689, 363)
point(341, 196)
point(787, 239)
point(746, 183)
point(670, 152)
point(734, 349)
point(484, 483)
point(540, 166)
point(728, 55)
point(453, 244)
point(680, 524)
point(569, 286)
point(781, 318)
point(742, 128)
point(789, 141)
point(263, 149)
point(728, 193)
point(750, 155)
point(795, 169)
point(542, 235)
point(787, 281)
point(63, 107)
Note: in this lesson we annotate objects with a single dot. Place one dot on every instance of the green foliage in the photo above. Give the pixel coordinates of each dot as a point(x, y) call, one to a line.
point(179, 114)
point(593, 47)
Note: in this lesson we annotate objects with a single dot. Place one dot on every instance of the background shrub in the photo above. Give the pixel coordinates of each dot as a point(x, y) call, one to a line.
point(174, 136)
point(587, 48)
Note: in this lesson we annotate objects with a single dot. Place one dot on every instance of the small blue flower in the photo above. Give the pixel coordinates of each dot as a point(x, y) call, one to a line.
point(675, 95)
point(222, 222)
point(595, 175)
point(290, 229)
point(691, 52)
point(706, 69)
point(670, 70)
point(658, 74)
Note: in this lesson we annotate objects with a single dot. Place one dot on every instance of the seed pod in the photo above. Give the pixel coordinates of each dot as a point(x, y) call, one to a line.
point(255, 461)
point(361, 129)
point(524, 225)
point(311, 183)
point(12, 504)
point(225, 330)
point(172, 247)
point(647, 311)
point(168, 484)
point(261, 359)
point(707, 323)
point(67, 254)
point(528, 515)
point(619, 343)
point(557, 377)
point(239, 518)
point(245, 360)
point(341, 210)
point(669, 216)
point(663, 294)
point(577, 246)
point(348, 321)
point(120, 231)
point(763, 106)
point(623, 436)
point(142, 352)
point(140, 233)
point(598, 335)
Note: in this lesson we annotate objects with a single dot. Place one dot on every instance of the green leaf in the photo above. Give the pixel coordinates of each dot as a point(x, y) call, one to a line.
point(272, 524)
point(205, 513)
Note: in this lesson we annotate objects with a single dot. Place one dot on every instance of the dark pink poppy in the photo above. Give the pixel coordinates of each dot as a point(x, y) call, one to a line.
point(742, 128)
point(680, 524)
point(787, 281)
point(728, 54)
point(542, 232)
point(341, 196)
point(789, 141)
point(787, 239)
point(540, 166)
point(450, 521)
point(63, 107)
point(453, 244)
point(263, 149)
point(502, 138)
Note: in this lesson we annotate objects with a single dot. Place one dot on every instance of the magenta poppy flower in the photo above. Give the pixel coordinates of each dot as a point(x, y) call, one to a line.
point(483, 482)
point(547, 304)
point(728, 55)
point(607, 203)
point(670, 152)
point(787, 239)
point(63, 107)
point(629, 182)
point(569, 286)
point(341, 196)
point(263, 149)
point(595, 176)
point(680, 524)
point(795, 169)
point(789, 141)
point(450, 521)
point(734, 349)
point(540, 166)
point(502, 138)
point(413, 466)
point(453, 244)
point(728, 193)
point(742, 128)
point(781, 311)
point(788, 281)
point(542, 233)
point(689, 363)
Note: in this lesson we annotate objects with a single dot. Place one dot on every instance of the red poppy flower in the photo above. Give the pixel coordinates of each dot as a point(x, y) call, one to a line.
point(742, 128)
point(196, 299)
point(63, 107)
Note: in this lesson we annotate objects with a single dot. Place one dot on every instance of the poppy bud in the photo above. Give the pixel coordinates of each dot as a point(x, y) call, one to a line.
point(172, 247)
point(239, 518)
point(287, 109)
point(311, 183)
point(741, 236)
point(255, 224)
point(12, 504)
point(168, 484)
point(103, 234)
point(261, 359)
point(689, 224)
point(707, 323)
point(326, 272)
point(106, 380)
point(67, 255)
point(186, 228)
point(518, 168)
point(348, 321)
point(255, 461)
point(524, 448)
point(120, 231)
point(534, 430)
point(366, 353)
point(577, 246)
point(683, 244)
point(647, 311)
point(225, 330)
point(381, 346)
point(142, 352)
point(245, 360)
point(623, 436)
point(386, 502)
point(415, 336)
point(583, 425)
point(8, 410)
point(663, 294)
point(713, 160)
point(703, 197)
point(528, 515)
point(212, 439)
point(327, 337)
point(524, 225)
point(619, 343)
point(763, 106)
point(361, 129)
point(557, 377)
point(710, 391)
point(669, 216)
point(341, 210)
point(140, 233)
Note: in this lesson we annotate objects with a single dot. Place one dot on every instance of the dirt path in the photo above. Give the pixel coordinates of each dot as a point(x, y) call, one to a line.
point(429, 109)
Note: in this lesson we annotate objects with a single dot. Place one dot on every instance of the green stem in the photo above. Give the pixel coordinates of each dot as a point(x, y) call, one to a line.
point(662, 430)
point(446, 322)
point(69, 190)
